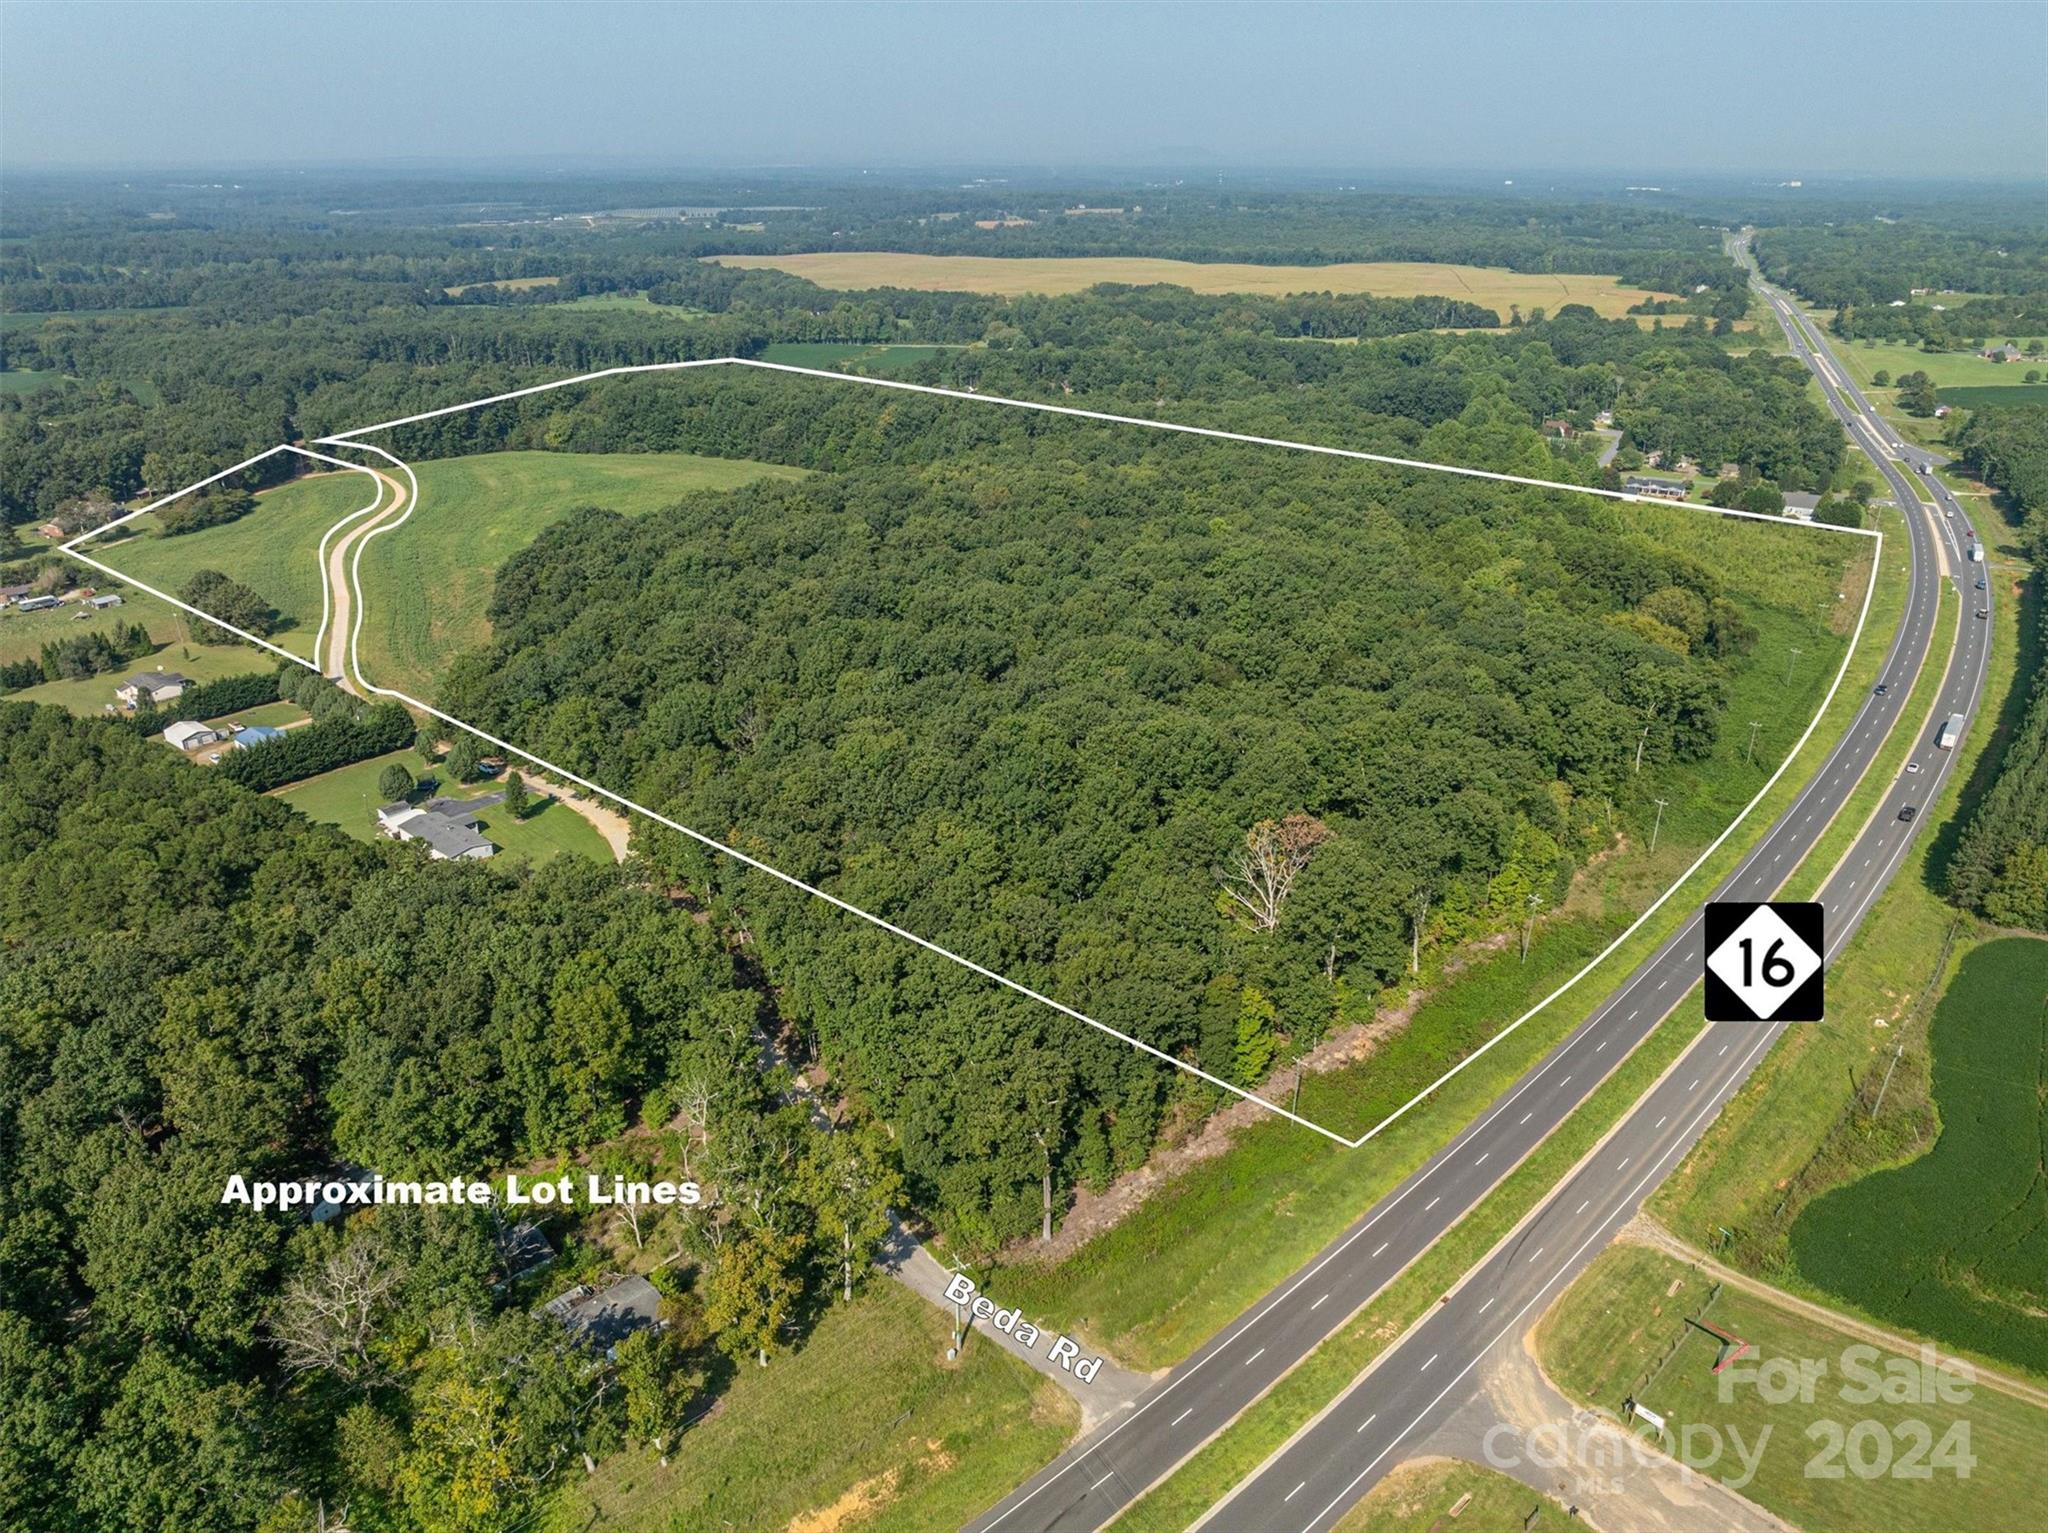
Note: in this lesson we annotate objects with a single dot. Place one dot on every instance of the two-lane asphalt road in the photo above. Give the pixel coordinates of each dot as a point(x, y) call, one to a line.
point(1428, 1374)
point(1310, 1483)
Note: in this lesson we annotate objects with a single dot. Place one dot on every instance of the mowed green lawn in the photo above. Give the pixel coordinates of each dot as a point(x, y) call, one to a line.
point(1948, 369)
point(427, 584)
point(1955, 1243)
point(1622, 1330)
point(348, 797)
point(274, 550)
point(89, 695)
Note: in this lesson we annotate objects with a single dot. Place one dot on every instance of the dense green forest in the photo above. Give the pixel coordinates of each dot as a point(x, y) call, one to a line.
point(2000, 866)
point(1030, 688)
point(1203, 739)
point(195, 329)
point(1873, 261)
point(195, 983)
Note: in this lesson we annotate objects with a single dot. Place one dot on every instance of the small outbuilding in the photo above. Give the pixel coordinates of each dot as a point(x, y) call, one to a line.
point(188, 736)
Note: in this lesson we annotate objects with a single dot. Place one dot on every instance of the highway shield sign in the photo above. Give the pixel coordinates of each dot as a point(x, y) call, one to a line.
point(1764, 961)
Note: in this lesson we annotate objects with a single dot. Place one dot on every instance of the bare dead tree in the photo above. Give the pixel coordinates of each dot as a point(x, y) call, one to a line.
point(1262, 875)
point(1418, 917)
point(327, 1318)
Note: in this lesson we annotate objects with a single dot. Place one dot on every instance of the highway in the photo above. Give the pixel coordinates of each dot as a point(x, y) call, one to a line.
point(1427, 1374)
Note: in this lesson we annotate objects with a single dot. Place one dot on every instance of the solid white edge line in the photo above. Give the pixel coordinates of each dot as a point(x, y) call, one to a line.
point(1598, 1232)
point(346, 439)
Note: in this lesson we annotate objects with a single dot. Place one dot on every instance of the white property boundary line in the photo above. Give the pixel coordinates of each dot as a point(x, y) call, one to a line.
point(346, 439)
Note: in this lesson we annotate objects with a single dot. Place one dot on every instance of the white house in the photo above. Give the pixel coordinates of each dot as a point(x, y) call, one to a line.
point(447, 826)
point(149, 688)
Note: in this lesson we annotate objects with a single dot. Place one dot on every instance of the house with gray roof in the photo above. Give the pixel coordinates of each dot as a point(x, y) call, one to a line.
point(447, 826)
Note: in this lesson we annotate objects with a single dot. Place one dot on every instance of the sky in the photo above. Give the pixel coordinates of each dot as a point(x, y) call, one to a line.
point(1783, 90)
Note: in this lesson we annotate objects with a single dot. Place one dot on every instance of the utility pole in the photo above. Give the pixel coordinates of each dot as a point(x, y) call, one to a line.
point(1660, 822)
point(1887, 1085)
point(1790, 660)
point(1529, 925)
point(1749, 756)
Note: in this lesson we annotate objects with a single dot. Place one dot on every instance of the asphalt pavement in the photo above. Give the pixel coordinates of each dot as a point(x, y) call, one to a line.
point(1429, 1373)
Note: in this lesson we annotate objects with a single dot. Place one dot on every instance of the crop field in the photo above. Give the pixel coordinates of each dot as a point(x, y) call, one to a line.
point(1010, 277)
point(1623, 1329)
point(1955, 1244)
point(2003, 397)
point(427, 584)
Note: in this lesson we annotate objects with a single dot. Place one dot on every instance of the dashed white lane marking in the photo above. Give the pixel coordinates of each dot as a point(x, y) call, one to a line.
point(1531, 1112)
point(1564, 1083)
point(1695, 1084)
point(1660, 1122)
point(1600, 1045)
point(1582, 1207)
point(1183, 1416)
point(1482, 1159)
point(1536, 1253)
point(1432, 1203)
point(1381, 1247)
point(1319, 1303)
point(1255, 1357)
point(1293, 1493)
point(1624, 1162)
point(1102, 1482)
point(1432, 1358)
point(1375, 1416)
point(1487, 1305)
point(1724, 1049)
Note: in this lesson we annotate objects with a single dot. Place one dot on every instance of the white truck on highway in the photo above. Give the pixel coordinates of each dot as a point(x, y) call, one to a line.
point(1951, 731)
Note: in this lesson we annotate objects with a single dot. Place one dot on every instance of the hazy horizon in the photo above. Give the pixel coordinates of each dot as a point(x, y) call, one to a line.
point(1383, 90)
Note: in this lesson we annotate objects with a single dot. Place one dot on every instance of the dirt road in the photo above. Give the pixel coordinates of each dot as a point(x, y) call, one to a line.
point(333, 656)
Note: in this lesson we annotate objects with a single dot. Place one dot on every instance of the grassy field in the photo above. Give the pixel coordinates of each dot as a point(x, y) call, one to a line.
point(274, 550)
point(1011, 277)
point(427, 585)
point(1955, 1244)
point(1948, 369)
point(2003, 397)
point(1337, 1362)
point(90, 695)
point(632, 303)
point(867, 1428)
point(20, 380)
point(846, 356)
point(504, 285)
point(1420, 1494)
point(1157, 1284)
point(1622, 1329)
point(348, 797)
point(1805, 1123)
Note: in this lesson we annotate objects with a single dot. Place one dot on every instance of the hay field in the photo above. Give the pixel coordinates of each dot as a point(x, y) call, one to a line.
point(1011, 276)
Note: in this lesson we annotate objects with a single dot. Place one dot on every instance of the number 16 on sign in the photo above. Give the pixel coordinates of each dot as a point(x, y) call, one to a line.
point(1764, 961)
